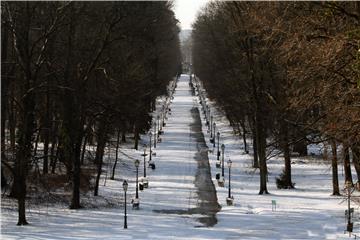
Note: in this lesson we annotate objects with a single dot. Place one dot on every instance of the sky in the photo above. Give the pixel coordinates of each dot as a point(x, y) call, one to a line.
point(186, 10)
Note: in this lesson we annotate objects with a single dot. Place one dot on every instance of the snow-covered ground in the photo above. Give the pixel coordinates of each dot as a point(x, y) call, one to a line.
point(307, 212)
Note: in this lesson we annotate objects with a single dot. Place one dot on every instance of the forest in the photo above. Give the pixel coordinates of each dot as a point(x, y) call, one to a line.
point(71, 76)
point(93, 92)
point(287, 74)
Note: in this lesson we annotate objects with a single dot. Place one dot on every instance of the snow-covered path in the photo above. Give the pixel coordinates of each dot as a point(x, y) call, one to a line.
point(179, 181)
point(308, 212)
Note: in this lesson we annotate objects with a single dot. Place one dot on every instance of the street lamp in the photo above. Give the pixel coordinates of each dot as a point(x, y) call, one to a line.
point(137, 163)
point(154, 134)
point(229, 199)
point(214, 134)
point(208, 116)
point(144, 155)
point(203, 105)
point(211, 120)
point(145, 182)
point(125, 187)
point(160, 122)
point(150, 136)
point(158, 119)
point(136, 201)
point(221, 179)
point(222, 159)
point(218, 140)
point(163, 115)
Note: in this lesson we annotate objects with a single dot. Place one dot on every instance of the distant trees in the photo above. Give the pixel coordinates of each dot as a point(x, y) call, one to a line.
point(72, 71)
point(287, 71)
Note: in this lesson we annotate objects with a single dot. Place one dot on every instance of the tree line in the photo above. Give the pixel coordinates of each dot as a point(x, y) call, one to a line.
point(75, 74)
point(287, 72)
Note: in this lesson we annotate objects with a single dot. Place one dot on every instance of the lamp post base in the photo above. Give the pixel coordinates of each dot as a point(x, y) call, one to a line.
point(221, 181)
point(218, 164)
point(145, 182)
point(230, 201)
point(152, 165)
point(135, 203)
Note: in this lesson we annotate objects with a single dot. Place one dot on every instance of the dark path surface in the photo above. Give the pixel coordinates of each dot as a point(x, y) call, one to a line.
point(207, 203)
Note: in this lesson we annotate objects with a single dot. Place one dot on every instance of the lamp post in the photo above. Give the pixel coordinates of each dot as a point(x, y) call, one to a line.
point(214, 134)
point(154, 134)
point(163, 115)
point(229, 162)
point(220, 177)
point(137, 163)
point(203, 104)
point(125, 187)
point(150, 136)
point(229, 199)
point(144, 161)
point(218, 140)
point(144, 182)
point(211, 120)
point(135, 201)
point(222, 159)
point(158, 119)
point(207, 117)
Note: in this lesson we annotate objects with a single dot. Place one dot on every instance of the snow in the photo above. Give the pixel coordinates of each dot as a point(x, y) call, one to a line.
point(307, 212)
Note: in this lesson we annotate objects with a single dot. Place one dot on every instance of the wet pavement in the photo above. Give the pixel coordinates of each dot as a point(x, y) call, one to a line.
point(208, 204)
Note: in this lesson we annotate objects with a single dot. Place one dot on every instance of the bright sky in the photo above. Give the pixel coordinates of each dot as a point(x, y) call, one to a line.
point(186, 10)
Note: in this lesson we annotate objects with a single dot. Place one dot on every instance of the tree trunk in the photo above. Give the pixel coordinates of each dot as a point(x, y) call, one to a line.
point(116, 155)
point(36, 143)
point(136, 136)
point(255, 149)
point(123, 132)
point(261, 147)
point(46, 154)
point(75, 201)
point(356, 159)
point(23, 155)
point(22, 210)
point(242, 124)
point(334, 165)
point(285, 146)
point(101, 141)
point(347, 166)
point(84, 149)
point(123, 137)
point(301, 148)
point(46, 132)
point(57, 156)
point(4, 86)
point(53, 157)
point(73, 121)
point(12, 121)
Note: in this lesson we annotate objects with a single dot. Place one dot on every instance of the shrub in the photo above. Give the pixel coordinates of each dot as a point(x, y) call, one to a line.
point(281, 182)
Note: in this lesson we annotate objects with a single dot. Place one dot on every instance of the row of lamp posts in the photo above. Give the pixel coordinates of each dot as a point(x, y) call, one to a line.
point(213, 137)
point(144, 181)
point(136, 200)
